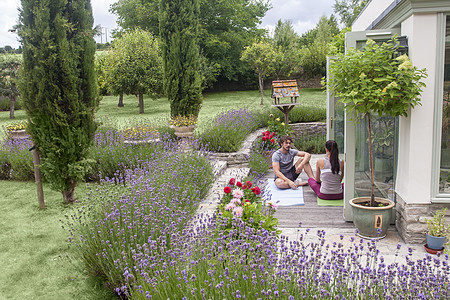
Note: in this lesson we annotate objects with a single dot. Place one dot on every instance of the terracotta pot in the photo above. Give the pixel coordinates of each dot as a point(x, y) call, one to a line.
point(432, 251)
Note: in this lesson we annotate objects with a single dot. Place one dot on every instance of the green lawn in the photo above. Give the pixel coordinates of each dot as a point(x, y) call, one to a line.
point(34, 252)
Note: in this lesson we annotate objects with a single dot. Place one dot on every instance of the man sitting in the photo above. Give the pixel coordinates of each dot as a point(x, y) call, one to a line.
point(286, 173)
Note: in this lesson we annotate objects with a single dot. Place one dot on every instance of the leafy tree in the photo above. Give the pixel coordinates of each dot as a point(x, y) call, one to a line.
point(313, 55)
point(285, 35)
point(261, 57)
point(58, 86)
point(348, 10)
point(9, 77)
point(225, 28)
point(178, 27)
point(134, 66)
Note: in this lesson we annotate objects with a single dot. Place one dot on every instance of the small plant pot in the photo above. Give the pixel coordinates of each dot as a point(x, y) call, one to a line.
point(435, 242)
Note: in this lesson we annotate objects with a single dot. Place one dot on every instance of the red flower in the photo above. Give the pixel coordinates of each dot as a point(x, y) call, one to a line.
point(257, 191)
point(232, 181)
point(249, 184)
point(273, 133)
point(244, 187)
point(246, 200)
point(227, 190)
point(272, 141)
point(239, 184)
point(264, 138)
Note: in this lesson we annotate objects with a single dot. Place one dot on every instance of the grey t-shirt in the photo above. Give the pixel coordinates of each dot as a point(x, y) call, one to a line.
point(286, 160)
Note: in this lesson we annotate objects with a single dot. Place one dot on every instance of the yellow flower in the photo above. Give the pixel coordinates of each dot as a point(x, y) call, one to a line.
point(278, 119)
point(282, 123)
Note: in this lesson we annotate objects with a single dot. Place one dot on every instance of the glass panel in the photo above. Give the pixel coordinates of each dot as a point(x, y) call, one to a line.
point(338, 125)
point(444, 181)
point(384, 135)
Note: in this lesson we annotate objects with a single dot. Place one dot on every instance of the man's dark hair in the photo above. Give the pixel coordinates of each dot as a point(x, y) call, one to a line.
point(283, 139)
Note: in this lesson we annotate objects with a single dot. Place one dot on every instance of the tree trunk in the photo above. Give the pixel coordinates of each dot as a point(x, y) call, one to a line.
point(261, 88)
point(69, 195)
point(120, 100)
point(372, 176)
point(12, 102)
point(141, 103)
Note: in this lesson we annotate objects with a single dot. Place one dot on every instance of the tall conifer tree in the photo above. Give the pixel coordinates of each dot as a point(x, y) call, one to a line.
point(58, 86)
point(178, 27)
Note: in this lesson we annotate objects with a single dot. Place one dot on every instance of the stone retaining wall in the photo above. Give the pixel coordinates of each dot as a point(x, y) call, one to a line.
point(411, 220)
point(241, 157)
point(311, 128)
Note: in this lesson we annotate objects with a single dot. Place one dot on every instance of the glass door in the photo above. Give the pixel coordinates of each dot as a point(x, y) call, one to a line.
point(357, 181)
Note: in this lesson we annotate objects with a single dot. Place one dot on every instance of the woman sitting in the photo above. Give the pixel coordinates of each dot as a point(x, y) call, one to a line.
point(329, 173)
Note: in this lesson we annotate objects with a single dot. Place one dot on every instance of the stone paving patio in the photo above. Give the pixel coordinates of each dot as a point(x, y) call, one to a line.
point(329, 219)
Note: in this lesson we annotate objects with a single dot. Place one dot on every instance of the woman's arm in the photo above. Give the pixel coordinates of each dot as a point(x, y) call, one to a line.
point(342, 169)
point(319, 166)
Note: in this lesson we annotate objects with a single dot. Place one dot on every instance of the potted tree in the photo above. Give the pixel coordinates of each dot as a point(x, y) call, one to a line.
point(375, 81)
point(437, 232)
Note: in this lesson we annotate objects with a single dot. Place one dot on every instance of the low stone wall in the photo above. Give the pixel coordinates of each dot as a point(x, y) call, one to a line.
point(241, 157)
point(311, 128)
point(411, 220)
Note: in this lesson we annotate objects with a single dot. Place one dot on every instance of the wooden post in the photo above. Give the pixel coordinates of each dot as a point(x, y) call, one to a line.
point(37, 175)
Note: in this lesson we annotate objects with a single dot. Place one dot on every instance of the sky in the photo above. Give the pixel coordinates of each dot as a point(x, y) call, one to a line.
point(304, 14)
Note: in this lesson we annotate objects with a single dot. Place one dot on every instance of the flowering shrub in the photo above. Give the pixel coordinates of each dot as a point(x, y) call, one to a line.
point(229, 129)
point(268, 140)
point(140, 132)
point(183, 120)
point(244, 201)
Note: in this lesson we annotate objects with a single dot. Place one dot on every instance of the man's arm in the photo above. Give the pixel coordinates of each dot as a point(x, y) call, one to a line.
point(305, 159)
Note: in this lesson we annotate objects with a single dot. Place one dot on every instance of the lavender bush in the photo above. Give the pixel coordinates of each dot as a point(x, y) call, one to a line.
point(151, 202)
point(16, 161)
point(229, 129)
point(204, 263)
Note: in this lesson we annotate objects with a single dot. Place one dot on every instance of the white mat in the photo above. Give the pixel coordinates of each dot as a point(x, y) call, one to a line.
point(288, 197)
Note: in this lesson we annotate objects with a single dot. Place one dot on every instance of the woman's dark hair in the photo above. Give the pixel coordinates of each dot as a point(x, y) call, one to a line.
point(332, 147)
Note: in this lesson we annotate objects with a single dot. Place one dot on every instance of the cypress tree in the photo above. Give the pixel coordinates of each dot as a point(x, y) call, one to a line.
point(178, 27)
point(58, 86)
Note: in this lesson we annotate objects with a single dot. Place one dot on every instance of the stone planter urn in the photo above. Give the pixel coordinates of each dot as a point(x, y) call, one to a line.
point(18, 134)
point(183, 131)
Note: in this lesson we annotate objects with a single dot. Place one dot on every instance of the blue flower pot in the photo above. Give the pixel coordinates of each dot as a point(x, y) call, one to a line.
point(435, 242)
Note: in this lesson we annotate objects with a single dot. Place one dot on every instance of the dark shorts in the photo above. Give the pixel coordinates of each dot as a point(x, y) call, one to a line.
point(291, 175)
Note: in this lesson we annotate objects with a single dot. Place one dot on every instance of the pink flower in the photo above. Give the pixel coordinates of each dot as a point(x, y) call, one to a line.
point(272, 205)
point(238, 194)
point(227, 190)
point(235, 200)
point(230, 206)
point(238, 211)
point(232, 181)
